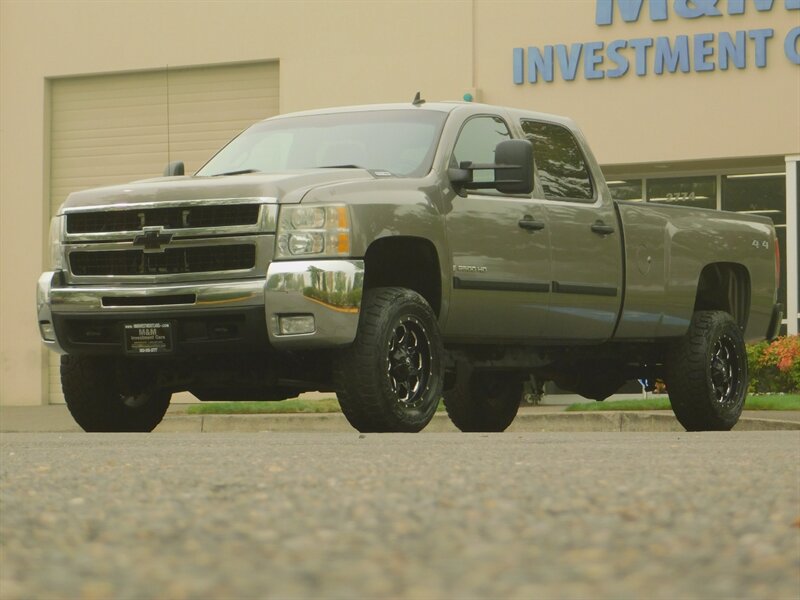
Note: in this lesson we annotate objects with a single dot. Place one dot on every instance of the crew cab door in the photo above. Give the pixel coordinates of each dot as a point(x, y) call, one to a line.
point(498, 249)
point(585, 238)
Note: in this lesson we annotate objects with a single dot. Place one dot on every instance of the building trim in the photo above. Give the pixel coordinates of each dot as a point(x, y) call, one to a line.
point(791, 259)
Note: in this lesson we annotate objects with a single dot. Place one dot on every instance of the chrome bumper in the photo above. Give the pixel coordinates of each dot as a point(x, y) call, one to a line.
point(327, 290)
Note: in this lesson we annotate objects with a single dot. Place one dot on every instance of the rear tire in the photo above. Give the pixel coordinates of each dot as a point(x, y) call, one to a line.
point(390, 379)
point(99, 401)
point(706, 373)
point(485, 402)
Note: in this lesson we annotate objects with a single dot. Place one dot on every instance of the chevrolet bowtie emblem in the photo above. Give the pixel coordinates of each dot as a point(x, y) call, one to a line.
point(152, 239)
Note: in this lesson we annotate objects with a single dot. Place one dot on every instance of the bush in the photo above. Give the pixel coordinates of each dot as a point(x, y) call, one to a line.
point(775, 366)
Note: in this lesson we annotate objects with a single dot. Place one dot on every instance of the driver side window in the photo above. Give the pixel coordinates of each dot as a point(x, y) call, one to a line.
point(477, 141)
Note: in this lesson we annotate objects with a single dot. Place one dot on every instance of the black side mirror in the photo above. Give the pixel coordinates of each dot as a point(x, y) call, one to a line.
point(519, 178)
point(174, 169)
point(513, 170)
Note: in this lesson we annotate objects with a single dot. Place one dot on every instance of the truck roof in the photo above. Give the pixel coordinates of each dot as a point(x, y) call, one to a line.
point(443, 106)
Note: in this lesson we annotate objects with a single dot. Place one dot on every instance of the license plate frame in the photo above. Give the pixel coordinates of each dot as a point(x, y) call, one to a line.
point(146, 338)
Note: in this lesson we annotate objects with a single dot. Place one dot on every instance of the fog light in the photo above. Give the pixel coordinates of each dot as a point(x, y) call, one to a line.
point(296, 324)
point(48, 331)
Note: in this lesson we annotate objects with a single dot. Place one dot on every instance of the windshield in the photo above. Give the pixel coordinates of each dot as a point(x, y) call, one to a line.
point(401, 142)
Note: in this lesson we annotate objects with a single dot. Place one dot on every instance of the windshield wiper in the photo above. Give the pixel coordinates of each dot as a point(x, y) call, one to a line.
point(240, 172)
point(340, 167)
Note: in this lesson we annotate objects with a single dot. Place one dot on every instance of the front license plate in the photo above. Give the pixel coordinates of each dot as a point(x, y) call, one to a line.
point(148, 338)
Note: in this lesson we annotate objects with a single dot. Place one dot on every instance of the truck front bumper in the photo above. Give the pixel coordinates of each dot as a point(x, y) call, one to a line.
point(300, 305)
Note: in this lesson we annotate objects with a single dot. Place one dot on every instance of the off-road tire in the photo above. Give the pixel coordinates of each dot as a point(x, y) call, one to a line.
point(706, 373)
point(96, 401)
point(390, 379)
point(484, 401)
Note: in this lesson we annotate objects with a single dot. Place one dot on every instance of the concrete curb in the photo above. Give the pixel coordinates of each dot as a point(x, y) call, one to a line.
point(540, 422)
point(56, 419)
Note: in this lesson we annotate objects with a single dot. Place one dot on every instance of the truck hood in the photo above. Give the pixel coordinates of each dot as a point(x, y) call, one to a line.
point(289, 187)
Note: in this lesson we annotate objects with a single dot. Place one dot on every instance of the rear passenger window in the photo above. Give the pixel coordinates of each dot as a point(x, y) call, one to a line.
point(560, 165)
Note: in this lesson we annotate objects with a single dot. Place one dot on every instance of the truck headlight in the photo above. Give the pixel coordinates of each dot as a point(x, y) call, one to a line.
point(313, 230)
point(56, 250)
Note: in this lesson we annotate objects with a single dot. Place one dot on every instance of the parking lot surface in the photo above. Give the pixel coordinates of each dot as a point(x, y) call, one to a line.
point(344, 515)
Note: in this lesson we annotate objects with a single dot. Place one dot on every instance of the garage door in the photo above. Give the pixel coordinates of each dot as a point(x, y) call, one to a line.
point(110, 129)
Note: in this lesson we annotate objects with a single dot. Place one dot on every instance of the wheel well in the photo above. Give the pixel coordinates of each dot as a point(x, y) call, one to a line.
point(407, 262)
point(725, 286)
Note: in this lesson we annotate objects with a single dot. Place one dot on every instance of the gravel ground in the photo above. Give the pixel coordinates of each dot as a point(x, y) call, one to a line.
point(548, 515)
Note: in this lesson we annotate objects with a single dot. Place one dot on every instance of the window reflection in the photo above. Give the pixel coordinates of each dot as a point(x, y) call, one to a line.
point(627, 189)
point(760, 194)
point(560, 165)
point(476, 143)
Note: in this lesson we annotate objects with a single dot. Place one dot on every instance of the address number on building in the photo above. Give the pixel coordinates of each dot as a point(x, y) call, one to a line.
point(148, 338)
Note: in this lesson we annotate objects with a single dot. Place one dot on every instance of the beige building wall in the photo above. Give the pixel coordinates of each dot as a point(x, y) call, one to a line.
point(650, 119)
point(352, 52)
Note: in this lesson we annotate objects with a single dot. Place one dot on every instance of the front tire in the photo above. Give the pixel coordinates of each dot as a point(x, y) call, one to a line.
point(706, 373)
point(102, 395)
point(485, 402)
point(390, 379)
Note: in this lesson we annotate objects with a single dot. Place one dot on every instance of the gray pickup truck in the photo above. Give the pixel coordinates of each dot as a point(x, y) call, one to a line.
point(398, 254)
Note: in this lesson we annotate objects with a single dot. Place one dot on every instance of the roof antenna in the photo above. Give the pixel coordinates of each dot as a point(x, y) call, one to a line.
point(417, 101)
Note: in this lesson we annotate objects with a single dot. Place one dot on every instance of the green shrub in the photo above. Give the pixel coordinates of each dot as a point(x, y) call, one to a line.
point(775, 366)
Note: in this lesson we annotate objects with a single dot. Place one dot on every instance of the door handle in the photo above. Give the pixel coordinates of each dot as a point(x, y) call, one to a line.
point(528, 223)
point(601, 228)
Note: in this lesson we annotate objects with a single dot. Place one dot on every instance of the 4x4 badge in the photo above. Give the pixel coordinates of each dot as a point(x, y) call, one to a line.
point(153, 239)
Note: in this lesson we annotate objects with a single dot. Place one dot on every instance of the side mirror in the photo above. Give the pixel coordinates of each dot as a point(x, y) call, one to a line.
point(513, 170)
point(518, 177)
point(174, 169)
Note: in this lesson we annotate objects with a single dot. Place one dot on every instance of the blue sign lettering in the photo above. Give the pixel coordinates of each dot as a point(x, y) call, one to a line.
point(617, 58)
point(736, 7)
point(538, 63)
point(701, 52)
point(568, 60)
point(672, 58)
point(518, 68)
point(692, 9)
point(640, 45)
point(760, 37)
point(629, 10)
point(790, 46)
point(592, 60)
point(728, 49)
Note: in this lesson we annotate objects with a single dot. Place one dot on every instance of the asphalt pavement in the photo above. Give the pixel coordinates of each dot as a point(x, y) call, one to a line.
point(344, 515)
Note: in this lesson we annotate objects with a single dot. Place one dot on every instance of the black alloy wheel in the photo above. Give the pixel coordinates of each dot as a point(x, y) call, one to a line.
point(706, 373)
point(390, 378)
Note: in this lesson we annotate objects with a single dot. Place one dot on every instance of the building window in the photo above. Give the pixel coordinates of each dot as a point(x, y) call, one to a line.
point(626, 189)
point(760, 194)
point(697, 192)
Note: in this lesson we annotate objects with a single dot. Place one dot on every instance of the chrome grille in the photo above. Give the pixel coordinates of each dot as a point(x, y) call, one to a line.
point(169, 241)
point(190, 259)
point(173, 217)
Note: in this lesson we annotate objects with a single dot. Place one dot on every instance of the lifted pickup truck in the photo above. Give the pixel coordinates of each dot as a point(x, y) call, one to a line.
point(396, 254)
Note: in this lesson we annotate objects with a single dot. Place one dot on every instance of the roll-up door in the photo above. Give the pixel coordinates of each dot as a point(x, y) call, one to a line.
point(110, 129)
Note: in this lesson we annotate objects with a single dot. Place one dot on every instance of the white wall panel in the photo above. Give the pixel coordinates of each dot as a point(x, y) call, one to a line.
point(111, 129)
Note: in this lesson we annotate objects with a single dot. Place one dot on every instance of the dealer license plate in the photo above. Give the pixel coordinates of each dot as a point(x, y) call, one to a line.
point(148, 338)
